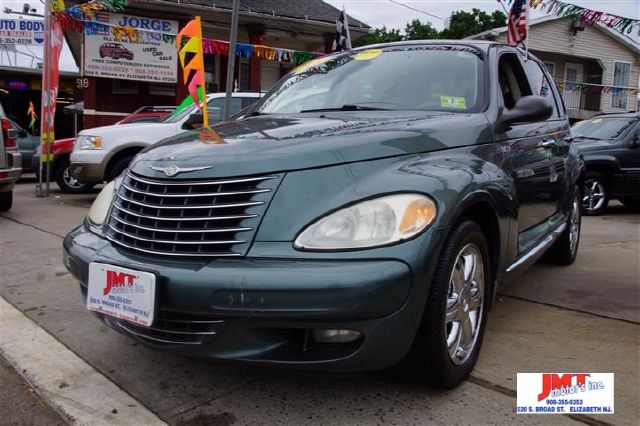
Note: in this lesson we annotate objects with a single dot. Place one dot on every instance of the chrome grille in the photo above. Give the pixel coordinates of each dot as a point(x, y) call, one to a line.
point(189, 217)
point(171, 328)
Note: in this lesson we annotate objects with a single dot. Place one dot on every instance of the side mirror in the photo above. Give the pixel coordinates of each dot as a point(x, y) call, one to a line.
point(195, 121)
point(528, 109)
point(635, 141)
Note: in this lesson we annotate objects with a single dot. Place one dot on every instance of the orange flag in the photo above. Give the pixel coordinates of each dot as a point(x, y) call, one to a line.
point(193, 71)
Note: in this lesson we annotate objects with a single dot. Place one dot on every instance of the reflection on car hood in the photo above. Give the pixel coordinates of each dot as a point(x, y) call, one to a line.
point(274, 143)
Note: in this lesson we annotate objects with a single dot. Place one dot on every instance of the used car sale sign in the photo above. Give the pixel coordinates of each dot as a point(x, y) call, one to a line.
point(131, 48)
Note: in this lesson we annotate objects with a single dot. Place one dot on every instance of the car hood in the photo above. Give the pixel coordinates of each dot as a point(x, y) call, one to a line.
point(130, 129)
point(274, 143)
point(585, 145)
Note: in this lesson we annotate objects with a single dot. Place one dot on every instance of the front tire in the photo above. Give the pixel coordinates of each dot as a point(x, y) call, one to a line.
point(6, 201)
point(117, 168)
point(595, 194)
point(67, 183)
point(565, 250)
point(450, 335)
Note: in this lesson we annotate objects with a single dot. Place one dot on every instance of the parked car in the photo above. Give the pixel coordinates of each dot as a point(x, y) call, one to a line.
point(610, 144)
point(26, 145)
point(362, 213)
point(115, 51)
point(10, 162)
point(62, 149)
point(148, 114)
point(59, 171)
point(102, 153)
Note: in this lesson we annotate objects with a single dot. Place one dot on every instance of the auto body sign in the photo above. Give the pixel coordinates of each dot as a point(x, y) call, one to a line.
point(130, 48)
point(21, 32)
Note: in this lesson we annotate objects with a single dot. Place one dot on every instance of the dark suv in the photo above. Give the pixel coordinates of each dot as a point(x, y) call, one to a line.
point(362, 213)
point(610, 144)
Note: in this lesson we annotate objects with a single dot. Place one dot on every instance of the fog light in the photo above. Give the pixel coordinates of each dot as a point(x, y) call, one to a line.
point(336, 336)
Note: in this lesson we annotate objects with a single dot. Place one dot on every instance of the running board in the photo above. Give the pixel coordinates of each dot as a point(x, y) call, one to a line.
point(538, 250)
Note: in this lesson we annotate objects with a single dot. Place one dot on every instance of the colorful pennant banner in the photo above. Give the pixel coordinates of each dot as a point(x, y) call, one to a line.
point(587, 16)
point(588, 87)
point(81, 18)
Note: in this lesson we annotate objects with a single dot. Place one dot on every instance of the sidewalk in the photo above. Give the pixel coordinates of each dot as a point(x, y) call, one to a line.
point(19, 403)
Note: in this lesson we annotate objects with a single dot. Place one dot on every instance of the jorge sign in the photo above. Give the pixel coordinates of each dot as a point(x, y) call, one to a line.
point(130, 48)
point(21, 32)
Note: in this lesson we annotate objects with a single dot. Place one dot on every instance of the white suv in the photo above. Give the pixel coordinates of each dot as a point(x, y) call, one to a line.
point(102, 153)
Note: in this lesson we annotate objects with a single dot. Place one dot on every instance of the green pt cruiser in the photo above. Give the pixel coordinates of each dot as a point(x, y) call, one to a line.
point(364, 212)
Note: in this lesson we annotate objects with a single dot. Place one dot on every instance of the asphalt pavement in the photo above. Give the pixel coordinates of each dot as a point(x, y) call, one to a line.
point(582, 318)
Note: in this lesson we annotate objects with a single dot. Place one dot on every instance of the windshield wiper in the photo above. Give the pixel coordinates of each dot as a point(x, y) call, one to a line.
point(346, 107)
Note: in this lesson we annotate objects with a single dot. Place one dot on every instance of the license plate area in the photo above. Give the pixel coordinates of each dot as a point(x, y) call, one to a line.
point(122, 293)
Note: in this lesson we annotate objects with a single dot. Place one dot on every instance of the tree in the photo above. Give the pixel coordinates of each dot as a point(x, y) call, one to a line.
point(463, 24)
point(416, 30)
point(379, 35)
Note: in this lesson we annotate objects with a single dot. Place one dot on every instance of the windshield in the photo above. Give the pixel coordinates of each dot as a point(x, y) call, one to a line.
point(601, 128)
point(441, 78)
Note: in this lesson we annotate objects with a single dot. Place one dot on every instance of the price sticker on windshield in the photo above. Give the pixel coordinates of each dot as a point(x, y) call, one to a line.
point(456, 102)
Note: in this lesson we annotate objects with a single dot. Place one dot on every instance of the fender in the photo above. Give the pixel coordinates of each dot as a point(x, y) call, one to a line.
point(608, 161)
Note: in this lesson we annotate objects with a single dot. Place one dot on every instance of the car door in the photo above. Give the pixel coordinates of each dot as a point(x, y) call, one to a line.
point(556, 143)
point(628, 156)
point(523, 143)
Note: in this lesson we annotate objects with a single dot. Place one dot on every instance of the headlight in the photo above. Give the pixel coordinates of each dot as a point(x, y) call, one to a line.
point(100, 207)
point(380, 221)
point(88, 142)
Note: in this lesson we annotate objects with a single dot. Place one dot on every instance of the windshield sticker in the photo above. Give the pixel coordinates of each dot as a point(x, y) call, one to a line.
point(367, 55)
point(310, 64)
point(457, 102)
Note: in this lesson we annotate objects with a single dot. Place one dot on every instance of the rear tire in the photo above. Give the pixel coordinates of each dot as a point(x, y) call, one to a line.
point(68, 183)
point(565, 250)
point(595, 194)
point(6, 201)
point(448, 341)
point(118, 167)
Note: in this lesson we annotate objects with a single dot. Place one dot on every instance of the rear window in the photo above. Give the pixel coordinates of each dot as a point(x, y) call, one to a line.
point(607, 128)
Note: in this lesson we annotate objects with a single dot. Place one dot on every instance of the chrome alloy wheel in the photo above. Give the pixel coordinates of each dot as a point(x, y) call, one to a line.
point(69, 180)
point(594, 195)
point(574, 224)
point(464, 304)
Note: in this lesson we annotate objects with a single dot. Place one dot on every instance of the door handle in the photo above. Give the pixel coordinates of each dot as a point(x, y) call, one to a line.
point(547, 144)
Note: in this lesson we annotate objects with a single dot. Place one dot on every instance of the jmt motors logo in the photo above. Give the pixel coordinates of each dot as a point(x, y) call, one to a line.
point(550, 393)
point(556, 384)
point(117, 280)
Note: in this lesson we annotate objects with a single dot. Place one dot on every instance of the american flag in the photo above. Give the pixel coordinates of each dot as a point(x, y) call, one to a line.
point(517, 23)
point(343, 38)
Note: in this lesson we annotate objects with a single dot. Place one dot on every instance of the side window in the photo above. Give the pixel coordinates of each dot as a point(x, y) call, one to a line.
point(216, 108)
point(249, 101)
point(540, 85)
point(512, 79)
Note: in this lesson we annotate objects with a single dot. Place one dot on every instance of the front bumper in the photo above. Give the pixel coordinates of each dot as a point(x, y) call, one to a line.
point(262, 310)
point(88, 172)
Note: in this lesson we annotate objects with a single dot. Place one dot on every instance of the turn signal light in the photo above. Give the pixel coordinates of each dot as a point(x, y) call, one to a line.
point(418, 214)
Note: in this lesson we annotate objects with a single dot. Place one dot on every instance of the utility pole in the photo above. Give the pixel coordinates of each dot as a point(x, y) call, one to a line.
point(231, 65)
